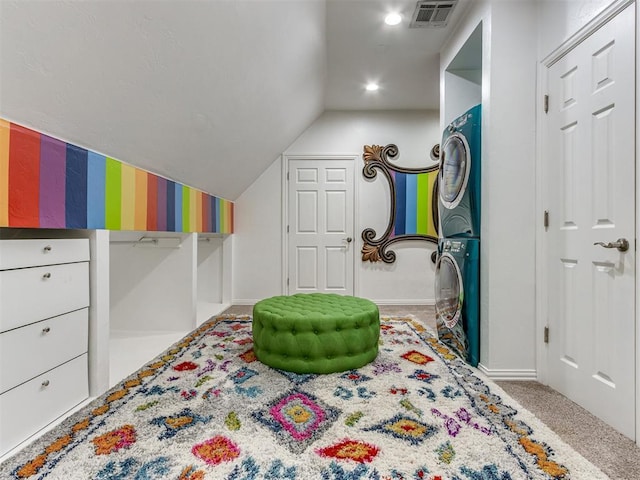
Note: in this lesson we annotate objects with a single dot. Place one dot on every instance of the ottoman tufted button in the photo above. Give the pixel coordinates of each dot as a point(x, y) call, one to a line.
point(293, 331)
point(316, 332)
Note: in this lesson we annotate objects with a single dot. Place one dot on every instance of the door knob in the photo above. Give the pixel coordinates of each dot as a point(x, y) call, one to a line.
point(621, 244)
point(349, 239)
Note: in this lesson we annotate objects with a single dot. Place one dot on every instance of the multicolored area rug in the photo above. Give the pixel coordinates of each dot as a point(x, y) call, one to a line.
point(208, 409)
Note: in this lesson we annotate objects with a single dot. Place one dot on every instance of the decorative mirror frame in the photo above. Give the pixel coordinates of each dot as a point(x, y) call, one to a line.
point(375, 158)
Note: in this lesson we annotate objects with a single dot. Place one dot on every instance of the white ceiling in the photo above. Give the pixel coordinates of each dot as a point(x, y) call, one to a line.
point(207, 92)
point(404, 61)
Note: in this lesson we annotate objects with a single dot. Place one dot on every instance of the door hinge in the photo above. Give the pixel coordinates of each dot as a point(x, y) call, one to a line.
point(546, 219)
point(287, 228)
point(545, 103)
point(287, 282)
point(546, 334)
point(287, 176)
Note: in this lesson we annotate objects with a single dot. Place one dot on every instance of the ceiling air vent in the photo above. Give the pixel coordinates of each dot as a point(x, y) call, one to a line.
point(432, 13)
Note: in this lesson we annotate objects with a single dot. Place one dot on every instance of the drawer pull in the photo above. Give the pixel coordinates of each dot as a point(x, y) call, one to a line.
point(46, 329)
point(46, 275)
point(45, 383)
point(47, 248)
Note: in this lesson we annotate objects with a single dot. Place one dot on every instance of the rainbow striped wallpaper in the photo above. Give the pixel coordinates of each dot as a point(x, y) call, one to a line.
point(414, 195)
point(48, 183)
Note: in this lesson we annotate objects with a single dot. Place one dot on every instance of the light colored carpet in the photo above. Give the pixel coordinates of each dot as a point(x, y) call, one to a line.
point(206, 408)
point(613, 453)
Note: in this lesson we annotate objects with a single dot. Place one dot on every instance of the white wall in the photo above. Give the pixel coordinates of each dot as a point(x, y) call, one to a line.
point(257, 237)
point(152, 289)
point(461, 94)
point(257, 256)
point(508, 173)
point(560, 19)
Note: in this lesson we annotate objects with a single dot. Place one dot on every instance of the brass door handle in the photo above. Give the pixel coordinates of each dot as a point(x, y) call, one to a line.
point(621, 244)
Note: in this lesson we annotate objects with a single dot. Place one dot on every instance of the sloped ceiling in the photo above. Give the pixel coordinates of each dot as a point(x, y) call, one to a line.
point(204, 92)
point(207, 92)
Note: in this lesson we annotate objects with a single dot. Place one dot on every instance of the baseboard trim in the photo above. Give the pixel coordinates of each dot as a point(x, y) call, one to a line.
point(423, 301)
point(245, 301)
point(508, 374)
point(427, 301)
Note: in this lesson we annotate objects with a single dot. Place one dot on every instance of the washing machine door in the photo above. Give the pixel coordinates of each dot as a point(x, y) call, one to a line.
point(449, 290)
point(455, 165)
point(449, 301)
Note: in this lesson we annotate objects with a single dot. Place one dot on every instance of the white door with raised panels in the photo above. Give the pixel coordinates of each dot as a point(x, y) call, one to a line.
point(320, 228)
point(590, 241)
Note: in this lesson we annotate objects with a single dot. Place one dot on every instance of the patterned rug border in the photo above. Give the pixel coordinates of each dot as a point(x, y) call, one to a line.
point(536, 449)
point(81, 423)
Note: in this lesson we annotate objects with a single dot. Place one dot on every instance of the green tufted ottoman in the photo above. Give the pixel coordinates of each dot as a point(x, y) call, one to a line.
point(315, 332)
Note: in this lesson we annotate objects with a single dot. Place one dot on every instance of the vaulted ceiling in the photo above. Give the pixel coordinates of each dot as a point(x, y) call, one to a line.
point(207, 92)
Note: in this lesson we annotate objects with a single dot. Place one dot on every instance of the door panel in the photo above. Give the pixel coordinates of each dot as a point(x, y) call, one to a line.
point(307, 212)
point(306, 268)
point(336, 175)
point(321, 202)
point(336, 269)
point(336, 203)
point(307, 175)
point(590, 136)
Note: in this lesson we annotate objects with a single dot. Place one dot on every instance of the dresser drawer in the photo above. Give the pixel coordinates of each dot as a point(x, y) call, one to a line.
point(26, 409)
point(33, 253)
point(32, 294)
point(29, 351)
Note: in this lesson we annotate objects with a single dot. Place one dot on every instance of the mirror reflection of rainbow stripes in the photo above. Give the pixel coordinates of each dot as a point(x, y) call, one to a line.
point(414, 204)
point(48, 183)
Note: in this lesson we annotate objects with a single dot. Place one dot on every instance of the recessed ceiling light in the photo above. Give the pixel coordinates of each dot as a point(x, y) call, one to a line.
point(372, 86)
point(393, 18)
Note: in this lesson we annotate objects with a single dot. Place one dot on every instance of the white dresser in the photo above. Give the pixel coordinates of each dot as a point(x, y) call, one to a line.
point(44, 300)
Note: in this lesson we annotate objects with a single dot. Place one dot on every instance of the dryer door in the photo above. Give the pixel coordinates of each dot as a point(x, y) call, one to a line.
point(449, 301)
point(455, 165)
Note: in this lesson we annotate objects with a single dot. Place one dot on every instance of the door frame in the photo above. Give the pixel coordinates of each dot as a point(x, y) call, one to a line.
point(541, 178)
point(357, 241)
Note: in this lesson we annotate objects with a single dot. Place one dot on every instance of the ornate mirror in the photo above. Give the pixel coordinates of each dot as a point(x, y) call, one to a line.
point(414, 202)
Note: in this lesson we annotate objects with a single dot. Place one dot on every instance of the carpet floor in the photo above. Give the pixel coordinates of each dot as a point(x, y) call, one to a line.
point(613, 453)
point(206, 408)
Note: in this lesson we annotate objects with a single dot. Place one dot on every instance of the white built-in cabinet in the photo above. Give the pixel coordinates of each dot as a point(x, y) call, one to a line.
point(162, 286)
point(82, 309)
point(44, 332)
point(213, 276)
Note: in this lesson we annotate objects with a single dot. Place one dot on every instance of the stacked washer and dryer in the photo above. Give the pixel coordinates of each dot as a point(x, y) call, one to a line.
point(457, 281)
